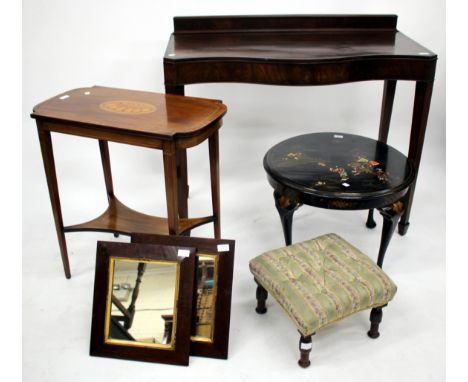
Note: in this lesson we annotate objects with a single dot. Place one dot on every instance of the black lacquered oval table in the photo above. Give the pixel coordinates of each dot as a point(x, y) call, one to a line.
point(339, 171)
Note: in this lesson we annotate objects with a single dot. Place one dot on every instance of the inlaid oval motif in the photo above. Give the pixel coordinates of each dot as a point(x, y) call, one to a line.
point(127, 107)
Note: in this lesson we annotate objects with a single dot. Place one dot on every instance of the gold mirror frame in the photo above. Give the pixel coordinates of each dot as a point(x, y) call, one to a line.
point(107, 254)
point(201, 298)
point(223, 251)
point(130, 312)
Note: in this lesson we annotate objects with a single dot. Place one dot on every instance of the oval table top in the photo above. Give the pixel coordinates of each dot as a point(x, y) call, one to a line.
point(338, 171)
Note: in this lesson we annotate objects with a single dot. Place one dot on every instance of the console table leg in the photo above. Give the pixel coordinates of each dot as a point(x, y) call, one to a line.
point(51, 175)
point(286, 208)
point(391, 215)
point(262, 295)
point(170, 178)
point(387, 108)
point(422, 102)
point(213, 146)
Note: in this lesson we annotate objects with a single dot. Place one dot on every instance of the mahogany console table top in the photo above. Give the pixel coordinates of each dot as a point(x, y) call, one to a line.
point(302, 50)
point(338, 40)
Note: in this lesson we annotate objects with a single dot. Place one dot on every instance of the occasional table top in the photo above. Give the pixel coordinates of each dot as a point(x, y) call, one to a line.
point(161, 115)
point(338, 166)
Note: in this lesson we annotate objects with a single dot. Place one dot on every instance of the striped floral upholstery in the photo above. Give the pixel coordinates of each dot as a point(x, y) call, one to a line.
point(321, 281)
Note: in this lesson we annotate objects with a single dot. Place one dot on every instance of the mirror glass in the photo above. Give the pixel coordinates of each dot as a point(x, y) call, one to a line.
point(207, 271)
point(142, 300)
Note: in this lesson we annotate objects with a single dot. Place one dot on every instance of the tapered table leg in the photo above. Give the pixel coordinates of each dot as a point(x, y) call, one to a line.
point(387, 108)
point(106, 167)
point(182, 183)
point(422, 102)
point(105, 159)
point(182, 168)
point(170, 178)
point(213, 144)
point(51, 175)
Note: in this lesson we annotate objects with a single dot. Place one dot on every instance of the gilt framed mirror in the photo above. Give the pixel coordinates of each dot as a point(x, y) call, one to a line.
point(212, 291)
point(142, 305)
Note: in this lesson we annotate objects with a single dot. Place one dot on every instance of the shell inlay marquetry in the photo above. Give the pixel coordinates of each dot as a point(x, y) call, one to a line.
point(127, 107)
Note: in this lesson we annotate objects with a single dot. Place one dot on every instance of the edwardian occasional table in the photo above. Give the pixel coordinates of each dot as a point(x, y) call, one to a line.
point(161, 121)
point(303, 50)
point(339, 171)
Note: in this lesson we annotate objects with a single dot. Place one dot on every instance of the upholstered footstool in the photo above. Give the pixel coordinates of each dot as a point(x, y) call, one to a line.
point(321, 281)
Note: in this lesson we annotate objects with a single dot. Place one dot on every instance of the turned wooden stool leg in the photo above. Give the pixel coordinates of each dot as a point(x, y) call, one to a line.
point(375, 319)
point(305, 347)
point(262, 295)
point(370, 223)
point(286, 208)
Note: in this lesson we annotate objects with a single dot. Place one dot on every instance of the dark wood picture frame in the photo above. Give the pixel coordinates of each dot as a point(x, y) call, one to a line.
point(224, 250)
point(179, 353)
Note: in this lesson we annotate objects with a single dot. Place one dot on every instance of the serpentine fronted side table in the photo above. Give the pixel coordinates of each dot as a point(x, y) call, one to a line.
point(303, 50)
point(159, 121)
point(339, 171)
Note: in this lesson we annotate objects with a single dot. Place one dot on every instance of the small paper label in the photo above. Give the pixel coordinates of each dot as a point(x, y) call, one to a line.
point(183, 253)
point(306, 346)
point(65, 96)
point(339, 136)
point(223, 247)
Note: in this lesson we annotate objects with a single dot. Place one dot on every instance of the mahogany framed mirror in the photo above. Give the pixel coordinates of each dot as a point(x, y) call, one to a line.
point(142, 306)
point(211, 306)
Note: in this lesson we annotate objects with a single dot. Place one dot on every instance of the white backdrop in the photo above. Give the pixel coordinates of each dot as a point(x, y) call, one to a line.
point(120, 43)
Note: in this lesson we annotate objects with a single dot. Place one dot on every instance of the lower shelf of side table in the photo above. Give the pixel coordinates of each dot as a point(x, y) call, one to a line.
point(119, 218)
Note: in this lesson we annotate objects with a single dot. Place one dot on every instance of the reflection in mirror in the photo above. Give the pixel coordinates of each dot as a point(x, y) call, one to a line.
point(143, 295)
point(207, 271)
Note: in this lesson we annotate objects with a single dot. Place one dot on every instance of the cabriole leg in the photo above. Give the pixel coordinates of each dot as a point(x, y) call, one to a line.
point(370, 223)
point(391, 215)
point(286, 208)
